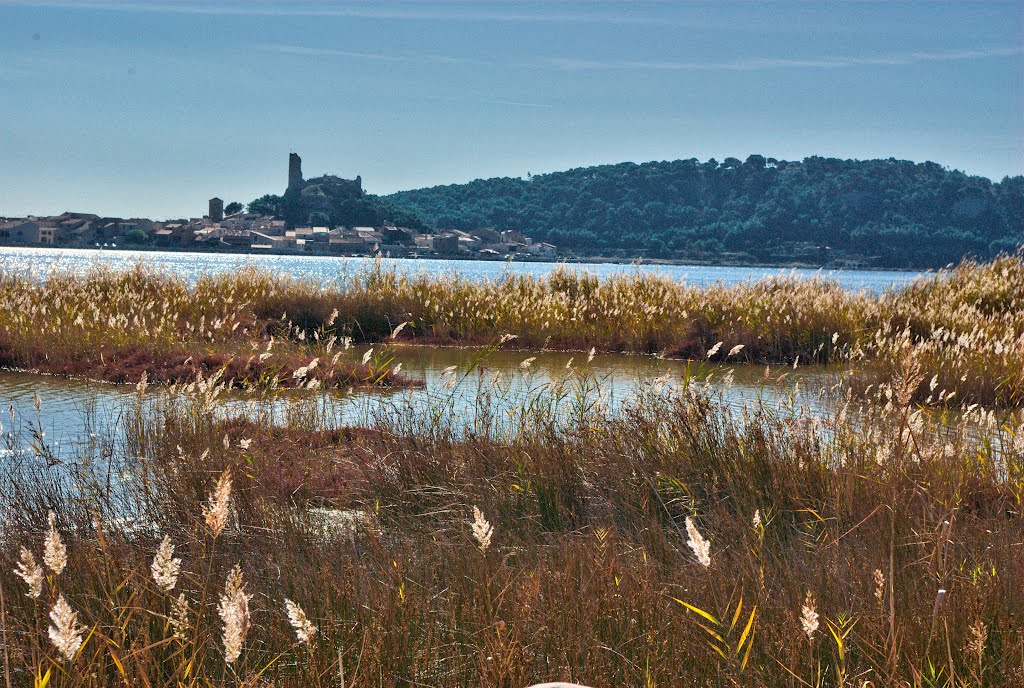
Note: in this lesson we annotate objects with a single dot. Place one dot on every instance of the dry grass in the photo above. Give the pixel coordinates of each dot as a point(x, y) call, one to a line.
point(860, 520)
point(144, 324)
point(963, 327)
point(673, 542)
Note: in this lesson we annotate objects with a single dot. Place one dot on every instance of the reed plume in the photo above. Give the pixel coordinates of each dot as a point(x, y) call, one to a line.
point(30, 572)
point(482, 530)
point(701, 547)
point(809, 616)
point(216, 510)
point(55, 554)
point(234, 613)
point(65, 632)
point(304, 628)
point(165, 567)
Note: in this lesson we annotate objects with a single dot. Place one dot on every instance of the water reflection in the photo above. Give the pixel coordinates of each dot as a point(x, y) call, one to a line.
point(502, 381)
point(462, 387)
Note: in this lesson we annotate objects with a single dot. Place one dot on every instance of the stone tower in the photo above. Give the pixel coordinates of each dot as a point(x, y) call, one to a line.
point(294, 173)
point(216, 209)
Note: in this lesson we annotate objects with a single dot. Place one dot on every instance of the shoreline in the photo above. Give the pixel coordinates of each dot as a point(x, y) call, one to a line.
point(567, 260)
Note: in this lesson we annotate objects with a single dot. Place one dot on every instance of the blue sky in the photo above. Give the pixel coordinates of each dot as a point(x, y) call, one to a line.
point(149, 108)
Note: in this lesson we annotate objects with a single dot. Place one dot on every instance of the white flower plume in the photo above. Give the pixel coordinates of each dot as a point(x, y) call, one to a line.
point(166, 567)
point(234, 613)
point(304, 628)
point(65, 632)
point(55, 554)
point(482, 530)
point(30, 572)
point(808, 616)
point(216, 510)
point(698, 543)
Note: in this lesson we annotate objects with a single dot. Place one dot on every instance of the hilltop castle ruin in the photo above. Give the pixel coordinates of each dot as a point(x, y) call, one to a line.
point(296, 182)
point(325, 194)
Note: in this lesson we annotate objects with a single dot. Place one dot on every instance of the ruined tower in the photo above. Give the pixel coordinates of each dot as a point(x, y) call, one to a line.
point(294, 173)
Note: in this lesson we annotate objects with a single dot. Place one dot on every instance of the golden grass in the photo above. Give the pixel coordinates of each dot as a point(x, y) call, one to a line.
point(816, 551)
point(962, 330)
point(674, 542)
point(145, 324)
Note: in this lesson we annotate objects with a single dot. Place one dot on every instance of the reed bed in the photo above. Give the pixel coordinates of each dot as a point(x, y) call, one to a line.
point(961, 329)
point(674, 542)
point(146, 326)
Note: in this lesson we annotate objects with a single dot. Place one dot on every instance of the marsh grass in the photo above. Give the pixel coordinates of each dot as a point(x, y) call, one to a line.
point(962, 328)
point(144, 324)
point(672, 540)
point(588, 572)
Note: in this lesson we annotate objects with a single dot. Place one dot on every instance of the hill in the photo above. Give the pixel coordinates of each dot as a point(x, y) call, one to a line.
point(894, 212)
point(331, 201)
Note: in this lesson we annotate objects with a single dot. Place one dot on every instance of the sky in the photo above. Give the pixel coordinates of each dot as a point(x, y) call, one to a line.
point(149, 108)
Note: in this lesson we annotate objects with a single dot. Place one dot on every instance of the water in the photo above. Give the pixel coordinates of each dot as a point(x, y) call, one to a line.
point(325, 269)
point(73, 415)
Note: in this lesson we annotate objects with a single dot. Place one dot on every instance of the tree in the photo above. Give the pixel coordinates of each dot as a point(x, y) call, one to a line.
point(319, 219)
point(267, 205)
point(135, 236)
point(896, 211)
point(233, 207)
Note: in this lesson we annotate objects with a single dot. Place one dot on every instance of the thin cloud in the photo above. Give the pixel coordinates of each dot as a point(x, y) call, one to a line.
point(329, 52)
point(441, 13)
point(515, 103)
point(759, 63)
point(429, 58)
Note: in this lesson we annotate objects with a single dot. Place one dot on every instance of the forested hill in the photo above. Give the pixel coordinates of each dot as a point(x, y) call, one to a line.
point(899, 212)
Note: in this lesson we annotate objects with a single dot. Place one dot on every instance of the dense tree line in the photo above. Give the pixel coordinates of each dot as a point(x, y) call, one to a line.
point(898, 212)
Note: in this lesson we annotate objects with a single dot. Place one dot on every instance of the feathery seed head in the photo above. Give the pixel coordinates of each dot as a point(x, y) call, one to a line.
point(216, 510)
point(30, 572)
point(166, 567)
point(879, 585)
point(304, 628)
point(482, 530)
point(55, 554)
point(234, 613)
point(978, 638)
point(179, 617)
point(65, 632)
point(808, 616)
point(701, 547)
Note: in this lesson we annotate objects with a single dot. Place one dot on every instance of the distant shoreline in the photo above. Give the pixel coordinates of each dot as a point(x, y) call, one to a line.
point(571, 260)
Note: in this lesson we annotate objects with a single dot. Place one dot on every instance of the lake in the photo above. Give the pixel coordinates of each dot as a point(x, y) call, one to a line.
point(326, 269)
point(74, 412)
point(74, 415)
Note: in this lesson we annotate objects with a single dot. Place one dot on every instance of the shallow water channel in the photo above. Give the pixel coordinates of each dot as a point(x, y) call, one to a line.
point(462, 387)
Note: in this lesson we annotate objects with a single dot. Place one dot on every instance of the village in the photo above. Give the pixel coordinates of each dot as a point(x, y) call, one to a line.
point(251, 232)
point(232, 229)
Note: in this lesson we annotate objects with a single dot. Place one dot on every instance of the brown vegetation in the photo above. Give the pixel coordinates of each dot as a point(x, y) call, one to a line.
point(838, 551)
point(963, 328)
point(141, 324)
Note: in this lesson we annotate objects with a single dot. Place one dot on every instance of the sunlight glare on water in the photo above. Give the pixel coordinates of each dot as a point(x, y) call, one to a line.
point(327, 269)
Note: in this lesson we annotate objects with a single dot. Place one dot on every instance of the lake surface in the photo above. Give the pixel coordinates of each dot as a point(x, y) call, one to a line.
point(326, 269)
point(75, 415)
